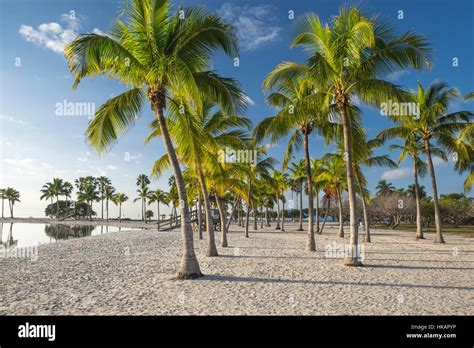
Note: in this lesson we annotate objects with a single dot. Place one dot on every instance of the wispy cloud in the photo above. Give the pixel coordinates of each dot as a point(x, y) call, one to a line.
point(396, 75)
point(249, 100)
point(26, 166)
point(14, 120)
point(256, 26)
point(53, 35)
point(396, 174)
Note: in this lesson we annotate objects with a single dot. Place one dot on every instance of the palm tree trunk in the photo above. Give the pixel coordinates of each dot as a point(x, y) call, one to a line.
point(325, 216)
point(199, 216)
point(107, 209)
point(102, 208)
point(120, 212)
point(352, 259)
point(341, 218)
point(247, 217)
point(300, 228)
point(158, 214)
point(364, 208)
point(3, 203)
point(255, 227)
point(234, 206)
point(211, 244)
point(419, 228)
point(266, 217)
point(144, 210)
point(57, 207)
point(310, 243)
point(283, 215)
point(278, 214)
point(189, 267)
point(439, 235)
point(11, 208)
point(223, 222)
point(261, 217)
point(239, 213)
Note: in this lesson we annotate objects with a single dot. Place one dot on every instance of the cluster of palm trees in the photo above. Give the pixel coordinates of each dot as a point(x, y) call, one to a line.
point(12, 196)
point(165, 57)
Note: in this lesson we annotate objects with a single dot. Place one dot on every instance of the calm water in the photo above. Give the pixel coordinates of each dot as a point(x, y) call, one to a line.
point(22, 234)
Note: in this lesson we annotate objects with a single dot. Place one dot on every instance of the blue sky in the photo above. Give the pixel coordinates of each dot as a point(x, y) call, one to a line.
point(37, 144)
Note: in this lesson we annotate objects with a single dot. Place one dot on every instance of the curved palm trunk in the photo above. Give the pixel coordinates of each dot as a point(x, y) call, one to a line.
point(223, 222)
point(325, 216)
point(310, 243)
point(199, 216)
point(364, 209)
point(278, 214)
point(341, 218)
point(419, 229)
point(189, 267)
point(300, 228)
point(352, 259)
point(211, 243)
point(439, 235)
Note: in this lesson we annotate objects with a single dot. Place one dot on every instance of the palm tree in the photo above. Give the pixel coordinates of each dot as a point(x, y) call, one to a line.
point(433, 125)
point(143, 193)
point(333, 174)
point(142, 182)
point(329, 194)
point(346, 58)
point(66, 190)
point(119, 199)
point(89, 194)
point(413, 147)
point(12, 196)
point(199, 137)
point(384, 188)
point(103, 182)
point(108, 195)
point(296, 98)
point(280, 185)
point(298, 173)
point(158, 196)
point(53, 190)
point(159, 54)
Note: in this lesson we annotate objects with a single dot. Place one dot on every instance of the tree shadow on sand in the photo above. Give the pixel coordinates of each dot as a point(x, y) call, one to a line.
point(223, 278)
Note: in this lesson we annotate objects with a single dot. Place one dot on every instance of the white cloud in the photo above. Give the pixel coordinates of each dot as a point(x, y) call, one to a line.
point(11, 119)
point(112, 167)
point(82, 159)
point(249, 100)
point(396, 174)
point(25, 166)
point(255, 24)
point(54, 36)
point(396, 75)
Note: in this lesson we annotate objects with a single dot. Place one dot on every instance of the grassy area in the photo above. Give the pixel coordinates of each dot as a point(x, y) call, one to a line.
point(464, 230)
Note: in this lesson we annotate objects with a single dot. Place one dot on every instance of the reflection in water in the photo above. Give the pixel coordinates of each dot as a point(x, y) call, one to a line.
point(57, 231)
point(9, 242)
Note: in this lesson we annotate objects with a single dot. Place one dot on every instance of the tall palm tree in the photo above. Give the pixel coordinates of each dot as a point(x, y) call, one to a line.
point(108, 195)
point(12, 196)
point(433, 125)
point(199, 137)
point(280, 185)
point(103, 182)
point(53, 190)
point(296, 98)
point(66, 190)
point(158, 196)
point(414, 147)
point(333, 174)
point(119, 199)
point(88, 194)
point(142, 182)
point(347, 58)
point(143, 193)
point(158, 54)
point(384, 188)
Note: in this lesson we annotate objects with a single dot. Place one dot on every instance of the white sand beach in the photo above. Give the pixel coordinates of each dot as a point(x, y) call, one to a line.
point(130, 273)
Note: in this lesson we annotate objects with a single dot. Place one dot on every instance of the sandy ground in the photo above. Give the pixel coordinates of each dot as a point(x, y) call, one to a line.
point(268, 273)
